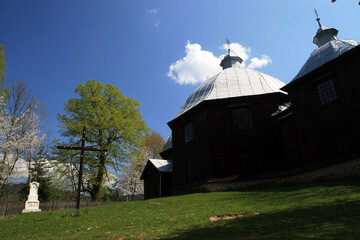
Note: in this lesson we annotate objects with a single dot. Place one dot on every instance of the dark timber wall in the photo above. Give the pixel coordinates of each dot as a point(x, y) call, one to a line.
point(154, 180)
point(320, 134)
point(306, 136)
point(217, 149)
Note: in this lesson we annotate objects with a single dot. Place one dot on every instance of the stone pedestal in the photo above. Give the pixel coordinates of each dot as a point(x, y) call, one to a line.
point(32, 204)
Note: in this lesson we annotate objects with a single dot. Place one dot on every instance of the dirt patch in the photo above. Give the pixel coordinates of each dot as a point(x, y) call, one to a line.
point(156, 203)
point(225, 216)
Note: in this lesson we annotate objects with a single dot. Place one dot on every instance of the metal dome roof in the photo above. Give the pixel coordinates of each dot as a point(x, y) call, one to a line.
point(168, 144)
point(234, 81)
point(329, 47)
point(325, 53)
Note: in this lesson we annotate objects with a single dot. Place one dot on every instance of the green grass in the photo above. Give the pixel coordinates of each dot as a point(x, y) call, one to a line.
point(315, 211)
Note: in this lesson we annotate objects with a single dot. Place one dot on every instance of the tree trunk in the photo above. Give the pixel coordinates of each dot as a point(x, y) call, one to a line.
point(99, 178)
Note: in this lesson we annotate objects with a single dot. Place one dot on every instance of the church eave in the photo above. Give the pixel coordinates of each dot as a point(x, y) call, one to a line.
point(317, 71)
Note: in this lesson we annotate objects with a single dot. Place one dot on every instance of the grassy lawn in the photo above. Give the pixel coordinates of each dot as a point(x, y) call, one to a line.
point(315, 211)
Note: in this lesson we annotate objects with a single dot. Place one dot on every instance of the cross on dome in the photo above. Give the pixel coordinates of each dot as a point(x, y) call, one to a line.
point(317, 18)
point(230, 60)
point(324, 34)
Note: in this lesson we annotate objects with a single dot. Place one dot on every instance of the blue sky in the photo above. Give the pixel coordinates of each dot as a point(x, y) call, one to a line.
point(55, 45)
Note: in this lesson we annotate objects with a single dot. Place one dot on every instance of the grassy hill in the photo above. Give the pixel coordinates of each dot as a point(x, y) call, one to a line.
point(329, 210)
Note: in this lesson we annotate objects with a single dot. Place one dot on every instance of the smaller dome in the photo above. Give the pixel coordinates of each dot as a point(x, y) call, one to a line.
point(325, 34)
point(326, 53)
point(231, 60)
point(329, 47)
point(322, 28)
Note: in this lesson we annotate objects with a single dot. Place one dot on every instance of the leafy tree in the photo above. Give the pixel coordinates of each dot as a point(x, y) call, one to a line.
point(113, 122)
point(335, 1)
point(20, 131)
point(40, 174)
point(154, 144)
point(129, 180)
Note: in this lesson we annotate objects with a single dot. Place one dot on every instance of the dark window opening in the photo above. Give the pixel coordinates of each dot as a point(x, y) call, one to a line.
point(241, 119)
point(188, 129)
point(326, 91)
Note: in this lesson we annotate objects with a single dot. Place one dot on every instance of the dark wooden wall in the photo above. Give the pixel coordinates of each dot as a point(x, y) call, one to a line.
point(217, 150)
point(312, 135)
point(316, 134)
point(152, 178)
point(151, 182)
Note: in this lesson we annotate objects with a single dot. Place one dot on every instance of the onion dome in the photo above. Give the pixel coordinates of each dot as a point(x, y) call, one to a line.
point(329, 47)
point(233, 81)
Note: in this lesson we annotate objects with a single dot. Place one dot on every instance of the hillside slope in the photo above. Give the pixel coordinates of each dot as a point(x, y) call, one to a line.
point(329, 210)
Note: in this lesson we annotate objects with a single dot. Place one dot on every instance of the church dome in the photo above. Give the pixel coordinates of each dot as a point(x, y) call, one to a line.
point(233, 81)
point(329, 47)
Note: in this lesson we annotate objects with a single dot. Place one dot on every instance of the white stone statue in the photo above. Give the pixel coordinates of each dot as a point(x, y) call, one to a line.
point(32, 204)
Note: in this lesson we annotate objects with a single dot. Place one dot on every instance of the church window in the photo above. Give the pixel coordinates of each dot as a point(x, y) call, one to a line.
point(188, 130)
point(326, 91)
point(241, 119)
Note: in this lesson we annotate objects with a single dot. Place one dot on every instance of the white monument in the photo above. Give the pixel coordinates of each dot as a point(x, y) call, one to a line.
point(32, 204)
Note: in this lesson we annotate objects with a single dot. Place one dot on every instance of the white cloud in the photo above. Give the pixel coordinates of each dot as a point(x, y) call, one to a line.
point(153, 11)
point(199, 65)
point(157, 22)
point(258, 63)
point(237, 49)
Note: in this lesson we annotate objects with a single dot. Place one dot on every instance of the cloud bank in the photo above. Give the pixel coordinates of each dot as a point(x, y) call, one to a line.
point(154, 14)
point(198, 65)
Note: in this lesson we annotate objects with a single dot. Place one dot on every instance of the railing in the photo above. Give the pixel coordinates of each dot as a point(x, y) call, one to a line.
point(12, 209)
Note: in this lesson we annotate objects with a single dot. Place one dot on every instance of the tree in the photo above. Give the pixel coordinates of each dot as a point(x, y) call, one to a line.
point(129, 180)
point(335, 1)
point(40, 172)
point(20, 131)
point(154, 144)
point(113, 122)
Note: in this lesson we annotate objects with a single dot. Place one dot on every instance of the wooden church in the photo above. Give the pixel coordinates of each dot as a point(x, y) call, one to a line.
point(243, 125)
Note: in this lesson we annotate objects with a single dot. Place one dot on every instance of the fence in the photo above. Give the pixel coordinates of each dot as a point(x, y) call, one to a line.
point(12, 209)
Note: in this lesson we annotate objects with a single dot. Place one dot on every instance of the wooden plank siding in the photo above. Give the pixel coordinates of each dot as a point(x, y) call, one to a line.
point(306, 136)
point(217, 150)
point(328, 133)
point(152, 185)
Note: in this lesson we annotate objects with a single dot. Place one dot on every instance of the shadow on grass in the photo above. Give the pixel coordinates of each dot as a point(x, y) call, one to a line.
point(292, 187)
point(327, 188)
point(337, 221)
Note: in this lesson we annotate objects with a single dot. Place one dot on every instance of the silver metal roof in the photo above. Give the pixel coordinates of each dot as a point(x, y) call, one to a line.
point(234, 81)
point(326, 53)
point(168, 144)
point(162, 165)
point(329, 47)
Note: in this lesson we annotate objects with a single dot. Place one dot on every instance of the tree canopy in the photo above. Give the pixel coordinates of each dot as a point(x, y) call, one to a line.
point(113, 122)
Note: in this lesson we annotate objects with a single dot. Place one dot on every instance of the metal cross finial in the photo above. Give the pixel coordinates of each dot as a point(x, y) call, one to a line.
point(228, 43)
point(317, 18)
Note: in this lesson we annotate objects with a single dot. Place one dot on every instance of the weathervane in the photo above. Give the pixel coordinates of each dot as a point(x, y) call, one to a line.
point(317, 18)
point(228, 43)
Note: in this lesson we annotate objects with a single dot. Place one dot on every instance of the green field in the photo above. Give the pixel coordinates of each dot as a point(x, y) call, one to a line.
point(329, 210)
